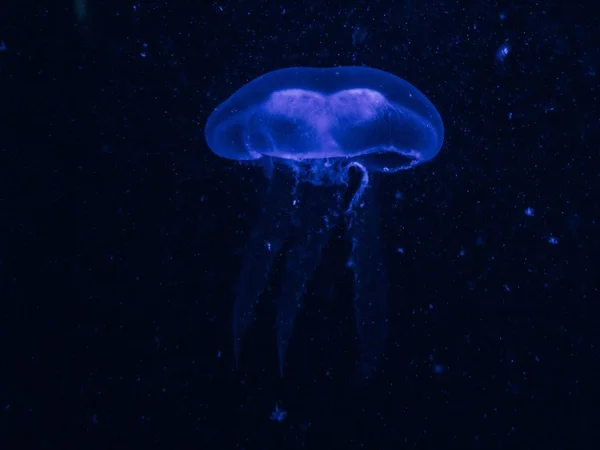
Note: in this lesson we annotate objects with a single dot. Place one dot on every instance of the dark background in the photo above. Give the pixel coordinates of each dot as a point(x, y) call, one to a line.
point(121, 234)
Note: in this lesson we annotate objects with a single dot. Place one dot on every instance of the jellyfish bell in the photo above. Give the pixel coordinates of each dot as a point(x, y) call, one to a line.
point(319, 124)
point(342, 112)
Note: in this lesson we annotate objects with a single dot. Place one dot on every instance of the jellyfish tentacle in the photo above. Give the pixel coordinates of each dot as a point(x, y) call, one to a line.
point(267, 238)
point(301, 262)
point(370, 285)
point(254, 279)
point(315, 216)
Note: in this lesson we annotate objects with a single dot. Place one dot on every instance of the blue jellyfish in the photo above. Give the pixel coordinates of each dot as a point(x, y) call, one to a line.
point(321, 134)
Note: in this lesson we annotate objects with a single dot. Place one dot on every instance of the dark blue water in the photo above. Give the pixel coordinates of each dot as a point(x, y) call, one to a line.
point(123, 236)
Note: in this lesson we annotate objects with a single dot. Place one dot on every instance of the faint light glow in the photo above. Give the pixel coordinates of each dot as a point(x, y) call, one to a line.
point(529, 212)
point(553, 240)
point(80, 8)
point(358, 36)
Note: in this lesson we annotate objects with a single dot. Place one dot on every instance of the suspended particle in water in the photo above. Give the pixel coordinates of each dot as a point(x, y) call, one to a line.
point(502, 52)
point(278, 414)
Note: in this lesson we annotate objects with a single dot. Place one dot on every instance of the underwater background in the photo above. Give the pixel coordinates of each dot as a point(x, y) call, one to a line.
point(122, 235)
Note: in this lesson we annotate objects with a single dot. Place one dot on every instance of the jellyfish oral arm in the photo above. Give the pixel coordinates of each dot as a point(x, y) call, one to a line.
point(370, 283)
point(293, 226)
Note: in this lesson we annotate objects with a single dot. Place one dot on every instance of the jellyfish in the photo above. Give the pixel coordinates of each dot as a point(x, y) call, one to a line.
point(314, 131)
